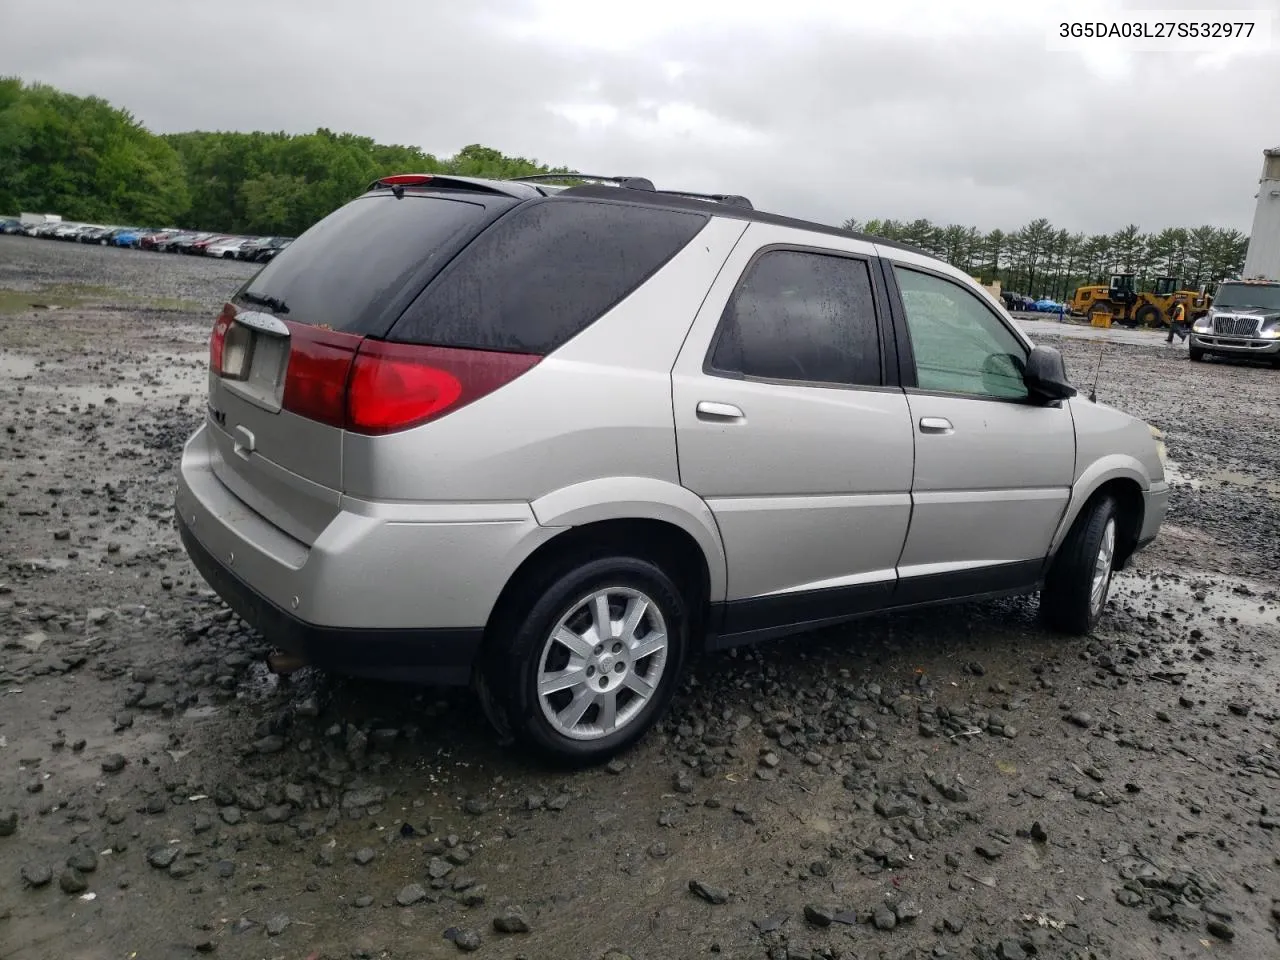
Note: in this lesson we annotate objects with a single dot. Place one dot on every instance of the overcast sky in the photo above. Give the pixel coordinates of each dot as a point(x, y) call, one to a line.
point(953, 110)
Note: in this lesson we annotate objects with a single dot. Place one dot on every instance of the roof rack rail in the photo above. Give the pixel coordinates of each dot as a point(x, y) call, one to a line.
point(729, 199)
point(634, 183)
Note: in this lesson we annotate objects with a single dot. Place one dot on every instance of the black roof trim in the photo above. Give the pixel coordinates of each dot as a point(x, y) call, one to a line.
point(675, 201)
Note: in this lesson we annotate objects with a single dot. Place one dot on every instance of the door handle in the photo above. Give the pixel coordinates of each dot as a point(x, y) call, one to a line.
point(940, 425)
point(710, 410)
point(245, 442)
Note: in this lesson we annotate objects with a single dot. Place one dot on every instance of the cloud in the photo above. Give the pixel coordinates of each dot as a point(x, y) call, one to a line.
point(816, 108)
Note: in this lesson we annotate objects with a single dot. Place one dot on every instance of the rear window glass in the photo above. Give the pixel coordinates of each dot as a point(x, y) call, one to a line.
point(346, 270)
point(544, 273)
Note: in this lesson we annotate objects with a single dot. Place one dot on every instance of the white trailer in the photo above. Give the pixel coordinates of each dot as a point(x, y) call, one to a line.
point(1262, 262)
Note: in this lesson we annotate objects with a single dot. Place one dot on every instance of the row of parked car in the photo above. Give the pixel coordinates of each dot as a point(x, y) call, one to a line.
point(166, 240)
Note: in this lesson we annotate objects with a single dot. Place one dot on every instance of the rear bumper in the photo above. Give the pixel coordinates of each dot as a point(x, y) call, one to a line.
point(1236, 346)
point(437, 656)
point(393, 590)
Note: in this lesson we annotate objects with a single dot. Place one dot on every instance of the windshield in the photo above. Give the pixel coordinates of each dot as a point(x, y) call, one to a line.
point(1233, 295)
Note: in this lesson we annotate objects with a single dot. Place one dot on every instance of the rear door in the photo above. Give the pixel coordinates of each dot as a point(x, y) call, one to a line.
point(789, 425)
point(347, 277)
point(993, 470)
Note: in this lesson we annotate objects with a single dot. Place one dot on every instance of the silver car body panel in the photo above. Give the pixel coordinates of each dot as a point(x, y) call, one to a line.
point(811, 486)
point(1112, 445)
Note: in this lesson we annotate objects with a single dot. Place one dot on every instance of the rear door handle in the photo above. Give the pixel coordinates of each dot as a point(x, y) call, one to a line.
point(939, 425)
point(710, 410)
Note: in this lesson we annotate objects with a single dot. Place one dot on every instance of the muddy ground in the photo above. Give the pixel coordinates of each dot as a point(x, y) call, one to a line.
point(950, 784)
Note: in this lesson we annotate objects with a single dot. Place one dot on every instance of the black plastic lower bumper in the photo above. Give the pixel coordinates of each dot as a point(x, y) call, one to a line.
point(431, 656)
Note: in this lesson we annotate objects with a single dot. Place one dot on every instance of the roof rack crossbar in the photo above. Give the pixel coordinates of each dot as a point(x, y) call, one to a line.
point(634, 183)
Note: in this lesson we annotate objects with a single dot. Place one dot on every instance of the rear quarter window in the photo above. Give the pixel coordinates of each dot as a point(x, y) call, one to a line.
point(349, 270)
point(544, 273)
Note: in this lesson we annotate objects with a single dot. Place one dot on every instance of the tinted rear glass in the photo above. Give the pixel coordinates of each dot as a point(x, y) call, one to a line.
point(544, 273)
point(347, 269)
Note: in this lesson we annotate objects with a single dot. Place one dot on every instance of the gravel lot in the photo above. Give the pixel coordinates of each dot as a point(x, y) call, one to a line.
point(956, 783)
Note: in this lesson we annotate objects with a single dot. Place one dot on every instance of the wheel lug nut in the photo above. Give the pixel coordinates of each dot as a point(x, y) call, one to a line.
point(617, 648)
point(599, 649)
point(591, 671)
point(619, 667)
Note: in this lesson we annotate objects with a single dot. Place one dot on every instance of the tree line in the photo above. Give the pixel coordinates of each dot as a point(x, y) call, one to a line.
point(89, 161)
point(1040, 260)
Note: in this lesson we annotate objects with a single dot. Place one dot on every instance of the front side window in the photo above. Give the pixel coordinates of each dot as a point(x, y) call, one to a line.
point(960, 345)
point(801, 316)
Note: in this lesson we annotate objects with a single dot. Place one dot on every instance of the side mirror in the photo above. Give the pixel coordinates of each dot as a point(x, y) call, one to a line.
point(1046, 376)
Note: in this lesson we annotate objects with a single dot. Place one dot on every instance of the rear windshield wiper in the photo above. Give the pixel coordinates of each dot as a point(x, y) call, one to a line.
point(273, 303)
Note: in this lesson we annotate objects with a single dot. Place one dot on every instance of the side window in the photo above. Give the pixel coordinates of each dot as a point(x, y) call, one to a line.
point(960, 345)
point(544, 273)
point(801, 316)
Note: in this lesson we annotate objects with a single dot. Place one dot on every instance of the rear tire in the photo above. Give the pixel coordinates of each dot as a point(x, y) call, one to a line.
point(551, 684)
point(1075, 590)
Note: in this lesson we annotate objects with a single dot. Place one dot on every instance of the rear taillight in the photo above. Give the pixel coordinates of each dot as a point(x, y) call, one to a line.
point(315, 383)
point(395, 386)
point(218, 338)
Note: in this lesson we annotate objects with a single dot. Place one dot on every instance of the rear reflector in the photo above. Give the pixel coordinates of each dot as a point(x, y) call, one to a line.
point(395, 386)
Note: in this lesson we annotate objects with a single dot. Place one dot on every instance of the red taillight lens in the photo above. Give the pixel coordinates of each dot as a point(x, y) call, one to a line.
point(395, 386)
point(218, 339)
point(315, 383)
point(406, 179)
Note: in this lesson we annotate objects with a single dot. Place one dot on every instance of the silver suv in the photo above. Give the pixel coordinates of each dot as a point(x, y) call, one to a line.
point(1244, 321)
point(554, 442)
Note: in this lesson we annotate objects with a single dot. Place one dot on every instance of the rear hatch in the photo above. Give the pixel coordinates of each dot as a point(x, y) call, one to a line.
point(283, 350)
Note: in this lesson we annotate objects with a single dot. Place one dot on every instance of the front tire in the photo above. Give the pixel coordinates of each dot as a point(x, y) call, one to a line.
point(588, 658)
point(1075, 590)
point(1197, 354)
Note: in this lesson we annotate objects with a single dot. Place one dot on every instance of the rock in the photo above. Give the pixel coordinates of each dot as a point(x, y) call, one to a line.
point(714, 895)
point(988, 853)
point(226, 869)
point(364, 856)
point(36, 875)
point(891, 807)
point(474, 896)
point(658, 850)
point(511, 920)
point(113, 763)
point(819, 915)
point(410, 895)
point(615, 766)
point(467, 940)
point(1010, 950)
point(438, 869)
point(906, 910)
point(359, 799)
point(269, 745)
point(85, 860)
point(884, 918)
point(310, 707)
point(277, 925)
point(1239, 708)
point(182, 869)
point(8, 823)
point(559, 802)
point(476, 806)
point(162, 857)
point(231, 815)
point(1221, 929)
point(1084, 721)
point(72, 881)
point(1038, 834)
point(363, 902)
point(1128, 898)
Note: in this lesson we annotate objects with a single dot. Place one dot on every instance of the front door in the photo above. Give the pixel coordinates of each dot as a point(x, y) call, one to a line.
point(993, 470)
point(786, 426)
